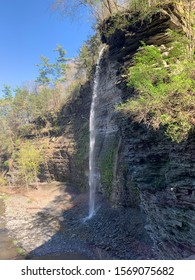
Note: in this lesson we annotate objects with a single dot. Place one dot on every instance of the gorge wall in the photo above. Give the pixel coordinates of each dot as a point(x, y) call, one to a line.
point(138, 166)
point(67, 151)
point(146, 164)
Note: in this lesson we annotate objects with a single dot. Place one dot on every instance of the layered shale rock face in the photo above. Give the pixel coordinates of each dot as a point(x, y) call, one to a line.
point(67, 153)
point(140, 166)
point(164, 174)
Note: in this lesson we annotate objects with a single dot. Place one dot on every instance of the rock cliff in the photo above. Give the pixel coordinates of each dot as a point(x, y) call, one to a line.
point(147, 168)
point(67, 150)
point(138, 166)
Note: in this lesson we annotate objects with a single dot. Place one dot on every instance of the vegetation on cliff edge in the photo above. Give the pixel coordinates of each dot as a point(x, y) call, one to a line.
point(164, 80)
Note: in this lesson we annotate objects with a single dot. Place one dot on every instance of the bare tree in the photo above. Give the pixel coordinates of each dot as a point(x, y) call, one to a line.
point(99, 8)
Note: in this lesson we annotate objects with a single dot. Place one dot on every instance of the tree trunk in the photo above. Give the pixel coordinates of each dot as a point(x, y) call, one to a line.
point(109, 6)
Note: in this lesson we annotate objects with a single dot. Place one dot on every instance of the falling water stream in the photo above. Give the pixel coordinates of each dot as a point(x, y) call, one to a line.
point(92, 129)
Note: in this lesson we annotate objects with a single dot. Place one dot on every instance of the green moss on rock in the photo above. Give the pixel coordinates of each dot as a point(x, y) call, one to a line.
point(82, 151)
point(106, 168)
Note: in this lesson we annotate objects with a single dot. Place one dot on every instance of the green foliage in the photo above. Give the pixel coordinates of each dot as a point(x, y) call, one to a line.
point(26, 129)
point(19, 113)
point(88, 55)
point(45, 70)
point(4, 196)
point(21, 251)
point(137, 5)
point(119, 22)
point(3, 180)
point(60, 67)
point(51, 73)
point(7, 93)
point(165, 83)
point(28, 160)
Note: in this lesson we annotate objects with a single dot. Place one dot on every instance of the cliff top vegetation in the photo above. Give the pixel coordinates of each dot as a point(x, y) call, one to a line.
point(163, 77)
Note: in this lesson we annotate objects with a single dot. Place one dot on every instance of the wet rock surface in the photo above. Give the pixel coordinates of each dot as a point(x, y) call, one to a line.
point(57, 229)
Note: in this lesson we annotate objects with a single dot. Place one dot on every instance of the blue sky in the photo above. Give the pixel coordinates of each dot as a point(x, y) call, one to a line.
point(28, 29)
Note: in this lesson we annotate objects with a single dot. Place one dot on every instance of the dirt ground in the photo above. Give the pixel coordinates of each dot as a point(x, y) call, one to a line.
point(48, 223)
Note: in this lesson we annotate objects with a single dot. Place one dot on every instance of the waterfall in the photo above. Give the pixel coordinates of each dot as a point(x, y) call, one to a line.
point(92, 129)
